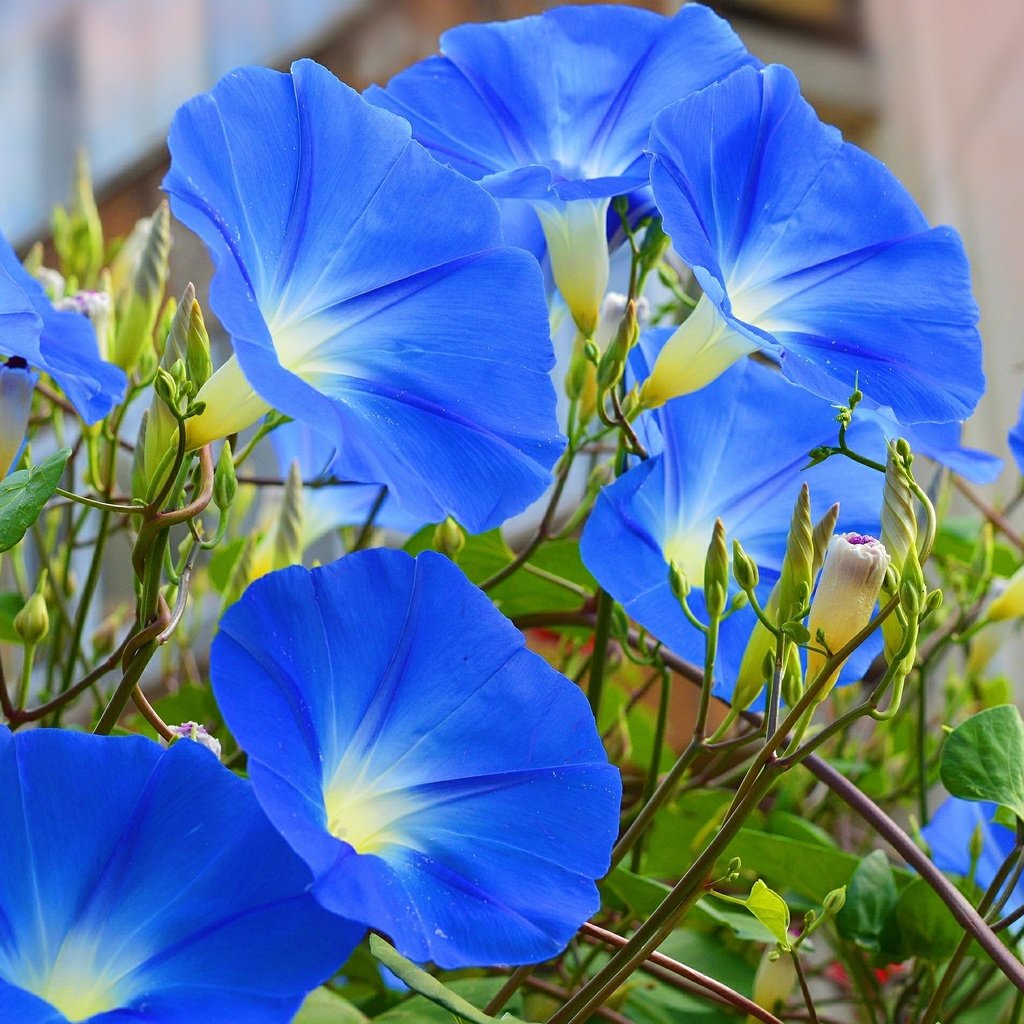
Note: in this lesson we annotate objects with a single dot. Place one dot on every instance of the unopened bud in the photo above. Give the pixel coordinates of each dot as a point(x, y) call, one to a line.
point(795, 579)
point(678, 582)
point(744, 568)
point(32, 623)
point(774, 981)
point(835, 901)
point(225, 483)
point(851, 580)
point(613, 363)
point(144, 296)
point(716, 572)
point(449, 538)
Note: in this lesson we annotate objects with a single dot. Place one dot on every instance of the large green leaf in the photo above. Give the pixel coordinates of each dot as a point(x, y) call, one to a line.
point(810, 869)
point(23, 495)
point(484, 554)
point(927, 928)
point(326, 1007)
point(10, 605)
point(871, 898)
point(983, 758)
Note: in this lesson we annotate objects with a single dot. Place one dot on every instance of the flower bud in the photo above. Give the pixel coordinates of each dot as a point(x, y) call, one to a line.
point(16, 384)
point(678, 582)
point(795, 580)
point(143, 299)
point(744, 568)
point(851, 579)
point(32, 623)
point(197, 734)
point(225, 483)
point(449, 538)
point(613, 363)
point(98, 308)
point(835, 901)
point(716, 572)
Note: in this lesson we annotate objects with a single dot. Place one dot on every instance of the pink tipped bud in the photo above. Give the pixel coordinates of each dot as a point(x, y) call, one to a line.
point(198, 734)
point(848, 588)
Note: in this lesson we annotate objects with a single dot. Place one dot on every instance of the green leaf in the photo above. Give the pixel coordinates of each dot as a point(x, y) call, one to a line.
point(983, 758)
point(768, 907)
point(10, 605)
point(809, 869)
point(927, 928)
point(871, 897)
point(323, 1006)
point(797, 632)
point(419, 1010)
point(23, 495)
point(484, 554)
point(427, 985)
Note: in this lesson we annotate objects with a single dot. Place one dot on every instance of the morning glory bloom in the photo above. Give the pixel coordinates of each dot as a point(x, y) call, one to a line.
point(16, 384)
point(735, 451)
point(368, 293)
point(554, 111)
point(444, 784)
point(809, 248)
point(143, 886)
point(949, 834)
point(58, 342)
point(1016, 440)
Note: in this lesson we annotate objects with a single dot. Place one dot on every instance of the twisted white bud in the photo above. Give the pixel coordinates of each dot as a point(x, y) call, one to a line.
point(848, 588)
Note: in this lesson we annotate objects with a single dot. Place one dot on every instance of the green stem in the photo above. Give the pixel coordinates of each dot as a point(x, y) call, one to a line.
point(651, 783)
point(659, 925)
point(26, 675)
point(598, 663)
point(105, 506)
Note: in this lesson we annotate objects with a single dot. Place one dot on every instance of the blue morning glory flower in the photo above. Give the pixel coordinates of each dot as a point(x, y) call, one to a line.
point(949, 834)
point(554, 111)
point(16, 384)
point(734, 451)
point(368, 292)
point(445, 785)
point(143, 886)
point(1016, 440)
point(809, 248)
point(60, 343)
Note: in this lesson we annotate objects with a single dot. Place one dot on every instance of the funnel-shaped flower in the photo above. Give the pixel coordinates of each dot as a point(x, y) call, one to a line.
point(61, 343)
point(809, 248)
point(847, 591)
point(950, 833)
point(734, 451)
point(16, 384)
point(444, 784)
point(554, 110)
point(146, 886)
point(368, 293)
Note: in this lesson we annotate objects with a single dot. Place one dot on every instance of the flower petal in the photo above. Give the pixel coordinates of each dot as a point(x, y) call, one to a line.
point(368, 293)
point(807, 244)
point(135, 878)
point(439, 779)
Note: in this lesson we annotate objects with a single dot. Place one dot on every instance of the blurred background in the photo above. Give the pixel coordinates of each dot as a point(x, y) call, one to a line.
point(932, 87)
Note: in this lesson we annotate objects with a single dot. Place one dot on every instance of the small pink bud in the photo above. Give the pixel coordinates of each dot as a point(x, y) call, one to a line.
point(198, 734)
point(848, 589)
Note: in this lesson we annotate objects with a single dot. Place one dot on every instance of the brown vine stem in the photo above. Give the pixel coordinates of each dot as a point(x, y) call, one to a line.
point(722, 992)
point(996, 518)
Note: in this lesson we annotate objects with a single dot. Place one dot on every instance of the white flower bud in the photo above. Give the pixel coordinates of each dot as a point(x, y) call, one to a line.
point(848, 588)
point(198, 734)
